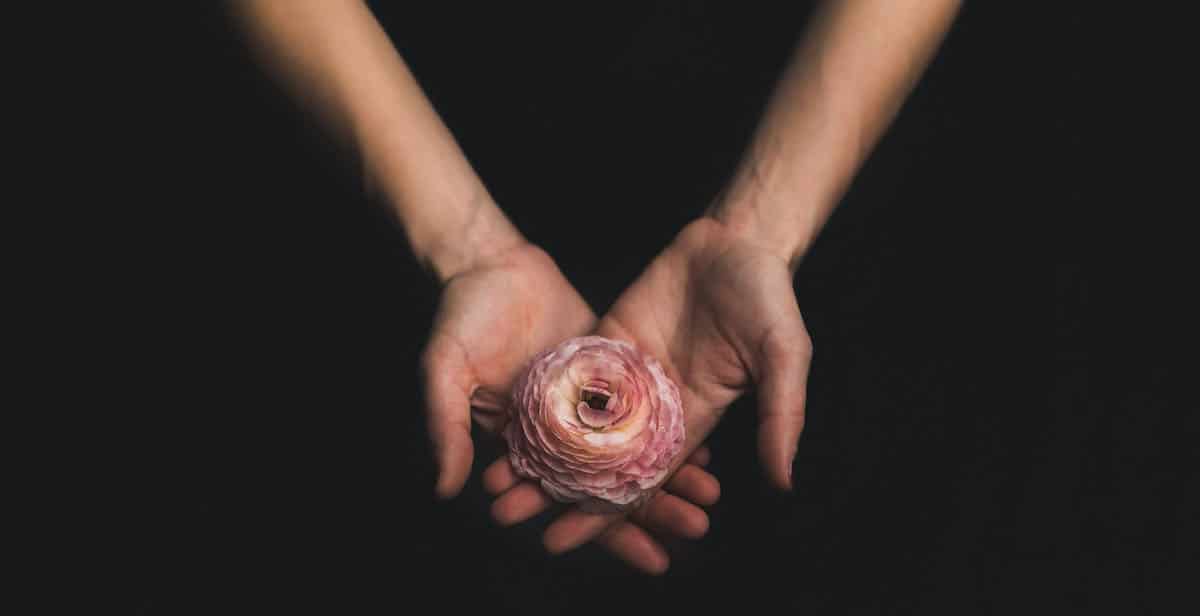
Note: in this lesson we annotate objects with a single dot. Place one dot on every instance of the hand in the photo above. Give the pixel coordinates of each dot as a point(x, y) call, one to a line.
point(495, 316)
point(673, 511)
point(718, 310)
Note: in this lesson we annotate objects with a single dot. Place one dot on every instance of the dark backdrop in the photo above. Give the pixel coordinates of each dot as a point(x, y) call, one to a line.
point(958, 458)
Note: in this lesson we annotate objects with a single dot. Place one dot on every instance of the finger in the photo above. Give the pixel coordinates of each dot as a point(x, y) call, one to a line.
point(785, 360)
point(488, 408)
point(667, 513)
point(701, 457)
point(499, 477)
point(449, 411)
point(575, 528)
point(522, 502)
point(695, 484)
point(636, 547)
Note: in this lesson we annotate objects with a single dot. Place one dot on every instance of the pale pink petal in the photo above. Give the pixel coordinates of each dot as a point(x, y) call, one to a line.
point(597, 422)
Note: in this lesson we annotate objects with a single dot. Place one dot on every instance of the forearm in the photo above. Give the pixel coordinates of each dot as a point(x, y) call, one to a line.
point(848, 77)
point(335, 56)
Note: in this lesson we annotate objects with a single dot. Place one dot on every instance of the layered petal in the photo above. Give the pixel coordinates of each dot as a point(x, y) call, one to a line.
point(595, 421)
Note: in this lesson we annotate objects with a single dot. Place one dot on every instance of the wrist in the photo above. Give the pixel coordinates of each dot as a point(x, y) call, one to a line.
point(707, 239)
point(781, 223)
point(451, 221)
point(480, 234)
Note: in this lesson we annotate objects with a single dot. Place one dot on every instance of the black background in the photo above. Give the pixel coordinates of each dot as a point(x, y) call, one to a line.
point(960, 455)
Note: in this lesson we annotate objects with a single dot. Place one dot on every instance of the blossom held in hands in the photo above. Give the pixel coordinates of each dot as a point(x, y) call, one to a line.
point(595, 421)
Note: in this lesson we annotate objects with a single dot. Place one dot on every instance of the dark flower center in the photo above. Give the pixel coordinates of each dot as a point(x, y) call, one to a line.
point(594, 399)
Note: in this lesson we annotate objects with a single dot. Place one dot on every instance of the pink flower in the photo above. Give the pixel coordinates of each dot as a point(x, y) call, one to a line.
point(597, 422)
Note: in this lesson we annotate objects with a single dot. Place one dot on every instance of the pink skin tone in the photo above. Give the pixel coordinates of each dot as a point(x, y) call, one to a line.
point(482, 338)
point(716, 307)
point(720, 313)
point(503, 299)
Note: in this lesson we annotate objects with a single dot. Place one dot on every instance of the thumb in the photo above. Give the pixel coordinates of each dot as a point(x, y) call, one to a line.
point(448, 406)
point(785, 359)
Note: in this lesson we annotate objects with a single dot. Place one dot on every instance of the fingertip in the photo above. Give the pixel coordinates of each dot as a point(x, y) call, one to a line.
point(522, 502)
point(708, 491)
point(697, 526)
point(454, 467)
point(499, 513)
point(499, 477)
point(554, 544)
point(776, 453)
point(637, 548)
point(714, 493)
point(695, 484)
point(782, 402)
point(670, 514)
point(447, 487)
point(658, 566)
point(575, 528)
point(648, 555)
point(780, 475)
point(783, 477)
point(556, 541)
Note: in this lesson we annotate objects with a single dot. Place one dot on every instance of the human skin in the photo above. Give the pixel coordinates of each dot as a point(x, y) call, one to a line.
point(717, 305)
point(502, 298)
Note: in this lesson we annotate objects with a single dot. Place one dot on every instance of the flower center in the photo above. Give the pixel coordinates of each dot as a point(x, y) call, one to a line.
point(596, 407)
point(594, 399)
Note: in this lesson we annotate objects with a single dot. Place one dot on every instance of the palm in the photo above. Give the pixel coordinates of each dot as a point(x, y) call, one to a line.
point(720, 313)
point(492, 320)
point(716, 310)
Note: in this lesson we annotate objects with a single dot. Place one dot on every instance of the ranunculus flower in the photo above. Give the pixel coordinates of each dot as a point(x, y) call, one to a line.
point(595, 421)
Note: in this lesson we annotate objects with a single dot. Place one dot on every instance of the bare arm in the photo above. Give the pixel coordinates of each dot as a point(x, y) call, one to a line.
point(335, 55)
point(503, 299)
point(850, 74)
point(717, 306)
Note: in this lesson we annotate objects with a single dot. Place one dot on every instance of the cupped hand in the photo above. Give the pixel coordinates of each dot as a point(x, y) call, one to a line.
point(718, 310)
point(492, 319)
point(673, 511)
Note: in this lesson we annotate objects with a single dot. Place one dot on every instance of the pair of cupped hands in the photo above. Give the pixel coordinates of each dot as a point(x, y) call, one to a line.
point(716, 308)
